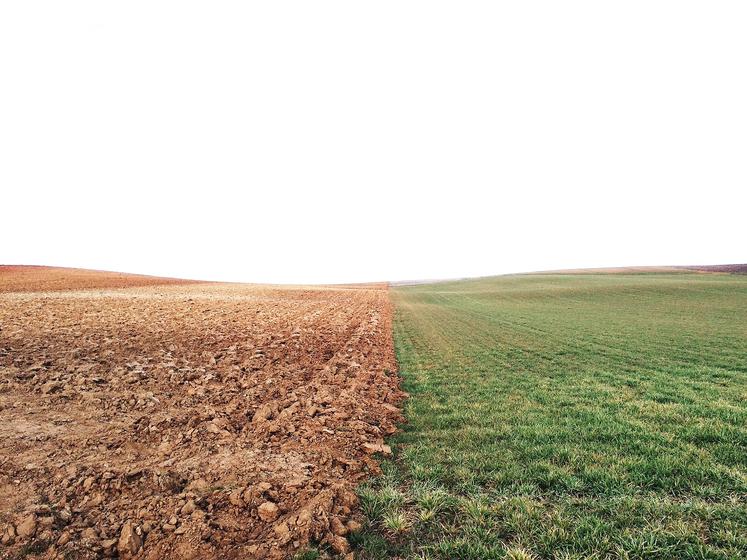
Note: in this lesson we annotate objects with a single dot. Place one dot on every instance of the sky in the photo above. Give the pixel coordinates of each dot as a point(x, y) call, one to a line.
point(305, 142)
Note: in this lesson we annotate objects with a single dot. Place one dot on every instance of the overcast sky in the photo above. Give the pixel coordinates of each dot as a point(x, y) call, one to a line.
point(349, 141)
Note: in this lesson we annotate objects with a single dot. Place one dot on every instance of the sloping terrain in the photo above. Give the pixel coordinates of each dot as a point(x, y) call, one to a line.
point(568, 417)
point(722, 268)
point(189, 420)
point(15, 278)
point(713, 269)
point(617, 270)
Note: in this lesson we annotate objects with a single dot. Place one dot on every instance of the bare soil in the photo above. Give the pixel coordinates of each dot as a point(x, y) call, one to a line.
point(189, 420)
point(15, 278)
point(722, 268)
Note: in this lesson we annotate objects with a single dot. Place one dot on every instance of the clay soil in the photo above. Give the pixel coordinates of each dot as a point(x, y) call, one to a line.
point(52, 279)
point(187, 420)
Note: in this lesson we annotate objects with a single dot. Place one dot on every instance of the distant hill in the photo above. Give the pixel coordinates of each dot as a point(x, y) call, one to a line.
point(26, 278)
point(714, 269)
point(723, 268)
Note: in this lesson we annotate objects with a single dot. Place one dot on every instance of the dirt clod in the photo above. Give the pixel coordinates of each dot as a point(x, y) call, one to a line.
point(191, 420)
point(129, 541)
point(27, 527)
point(267, 511)
point(339, 544)
point(377, 448)
point(89, 534)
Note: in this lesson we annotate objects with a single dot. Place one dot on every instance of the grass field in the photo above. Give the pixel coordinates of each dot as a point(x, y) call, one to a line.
point(568, 416)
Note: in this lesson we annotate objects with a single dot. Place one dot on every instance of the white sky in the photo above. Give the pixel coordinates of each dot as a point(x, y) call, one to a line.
point(349, 141)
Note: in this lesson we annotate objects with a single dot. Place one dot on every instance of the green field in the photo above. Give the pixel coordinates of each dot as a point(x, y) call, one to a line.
point(568, 416)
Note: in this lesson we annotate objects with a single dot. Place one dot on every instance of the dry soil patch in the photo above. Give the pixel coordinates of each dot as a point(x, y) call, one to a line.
point(189, 420)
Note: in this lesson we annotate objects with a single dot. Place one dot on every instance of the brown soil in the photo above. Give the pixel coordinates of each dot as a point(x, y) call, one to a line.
point(189, 421)
point(722, 268)
point(15, 278)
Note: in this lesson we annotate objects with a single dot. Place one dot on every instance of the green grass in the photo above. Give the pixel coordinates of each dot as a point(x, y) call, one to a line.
point(557, 416)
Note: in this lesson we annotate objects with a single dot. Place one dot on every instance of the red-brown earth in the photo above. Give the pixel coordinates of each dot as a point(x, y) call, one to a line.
point(187, 420)
point(14, 278)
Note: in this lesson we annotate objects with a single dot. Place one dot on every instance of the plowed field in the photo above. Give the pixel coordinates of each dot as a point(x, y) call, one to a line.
point(187, 420)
